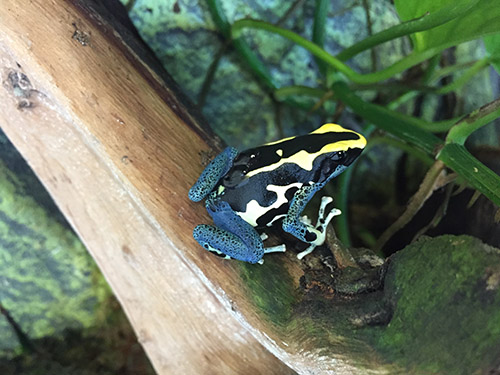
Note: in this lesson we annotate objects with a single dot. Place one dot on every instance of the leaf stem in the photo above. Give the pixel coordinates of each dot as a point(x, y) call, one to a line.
point(461, 130)
point(287, 91)
point(318, 36)
point(369, 26)
point(344, 182)
point(464, 78)
point(450, 69)
point(253, 61)
point(395, 142)
point(381, 75)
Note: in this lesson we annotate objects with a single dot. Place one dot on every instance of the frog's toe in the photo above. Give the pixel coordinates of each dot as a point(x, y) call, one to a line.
point(321, 227)
point(275, 249)
point(305, 219)
point(324, 222)
point(307, 251)
point(325, 201)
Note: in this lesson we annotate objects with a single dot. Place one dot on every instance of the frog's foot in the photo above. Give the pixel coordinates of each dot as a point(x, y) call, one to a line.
point(274, 249)
point(321, 224)
point(304, 231)
point(231, 236)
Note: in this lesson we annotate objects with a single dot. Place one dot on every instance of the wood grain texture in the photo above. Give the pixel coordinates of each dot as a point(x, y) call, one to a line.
point(118, 153)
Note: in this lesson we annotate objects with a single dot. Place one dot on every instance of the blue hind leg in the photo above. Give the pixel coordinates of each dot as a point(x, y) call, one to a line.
point(231, 236)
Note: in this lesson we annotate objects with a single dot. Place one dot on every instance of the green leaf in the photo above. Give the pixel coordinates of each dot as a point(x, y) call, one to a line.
point(492, 44)
point(402, 126)
point(474, 172)
point(483, 18)
point(427, 21)
point(473, 121)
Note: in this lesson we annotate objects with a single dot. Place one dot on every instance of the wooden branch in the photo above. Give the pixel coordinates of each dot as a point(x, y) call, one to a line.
point(118, 151)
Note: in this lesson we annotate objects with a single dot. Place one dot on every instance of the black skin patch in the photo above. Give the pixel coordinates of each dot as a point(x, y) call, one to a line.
point(267, 154)
point(310, 237)
point(239, 189)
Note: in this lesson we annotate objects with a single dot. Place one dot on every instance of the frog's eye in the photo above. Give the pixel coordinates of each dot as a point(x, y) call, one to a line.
point(339, 155)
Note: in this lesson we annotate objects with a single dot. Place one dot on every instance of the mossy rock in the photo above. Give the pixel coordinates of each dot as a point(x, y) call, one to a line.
point(437, 311)
point(58, 315)
point(49, 281)
point(445, 292)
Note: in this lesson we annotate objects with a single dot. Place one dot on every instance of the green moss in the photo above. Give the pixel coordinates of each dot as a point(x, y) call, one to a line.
point(445, 297)
point(447, 316)
point(270, 287)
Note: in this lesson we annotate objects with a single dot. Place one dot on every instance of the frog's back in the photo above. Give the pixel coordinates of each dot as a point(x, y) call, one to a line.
point(263, 180)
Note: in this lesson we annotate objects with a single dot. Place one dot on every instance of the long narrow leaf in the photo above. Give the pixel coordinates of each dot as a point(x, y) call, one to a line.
point(240, 45)
point(472, 170)
point(394, 123)
point(473, 121)
point(381, 75)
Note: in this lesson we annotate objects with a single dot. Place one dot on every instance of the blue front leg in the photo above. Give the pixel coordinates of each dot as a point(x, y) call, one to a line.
point(293, 223)
point(305, 231)
point(212, 174)
point(232, 236)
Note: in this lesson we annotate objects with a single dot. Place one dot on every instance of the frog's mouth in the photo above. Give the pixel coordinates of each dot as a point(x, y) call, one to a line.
point(350, 155)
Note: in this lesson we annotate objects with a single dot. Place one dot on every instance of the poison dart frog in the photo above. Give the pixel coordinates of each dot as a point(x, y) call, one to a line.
point(253, 189)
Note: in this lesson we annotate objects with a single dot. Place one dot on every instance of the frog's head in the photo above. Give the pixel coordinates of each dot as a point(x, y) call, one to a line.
point(336, 148)
point(341, 145)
